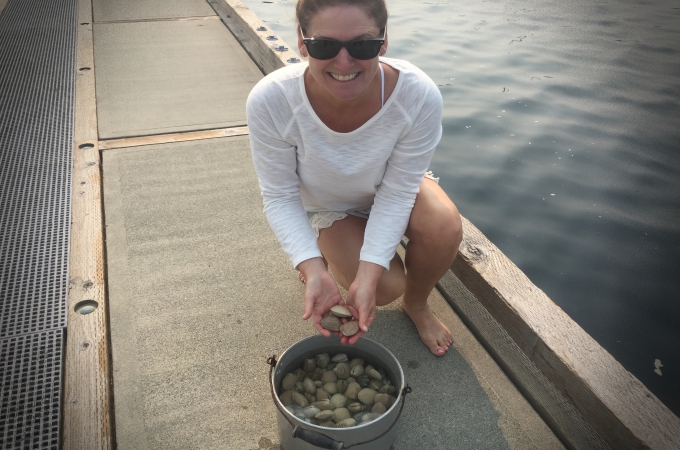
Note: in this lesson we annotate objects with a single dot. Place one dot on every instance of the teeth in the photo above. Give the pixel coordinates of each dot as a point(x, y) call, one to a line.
point(346, 77)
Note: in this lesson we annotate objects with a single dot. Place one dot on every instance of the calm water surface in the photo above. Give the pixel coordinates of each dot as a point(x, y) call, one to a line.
point(562, 144)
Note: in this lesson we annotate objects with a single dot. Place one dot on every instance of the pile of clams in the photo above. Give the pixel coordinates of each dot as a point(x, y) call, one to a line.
point(337, 392)
point(334, 322)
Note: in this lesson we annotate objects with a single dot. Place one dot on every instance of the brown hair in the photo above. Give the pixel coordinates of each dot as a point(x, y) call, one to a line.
point(306, 9)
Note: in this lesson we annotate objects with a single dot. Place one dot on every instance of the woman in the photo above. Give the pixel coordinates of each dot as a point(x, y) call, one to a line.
point(346, 138)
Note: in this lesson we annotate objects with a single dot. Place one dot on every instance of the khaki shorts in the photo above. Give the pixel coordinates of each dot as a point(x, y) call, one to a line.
point(324, 219)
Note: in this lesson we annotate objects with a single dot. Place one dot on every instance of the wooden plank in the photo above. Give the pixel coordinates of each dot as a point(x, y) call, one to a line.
point(244, 25)
point(88, 415)
point(162, 19)
point(617, 405)
point(172, 137)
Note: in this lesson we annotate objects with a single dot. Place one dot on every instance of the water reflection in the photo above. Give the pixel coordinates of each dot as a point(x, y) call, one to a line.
point(576, 99)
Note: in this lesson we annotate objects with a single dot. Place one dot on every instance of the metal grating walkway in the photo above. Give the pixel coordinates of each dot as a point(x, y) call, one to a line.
point(37, 71)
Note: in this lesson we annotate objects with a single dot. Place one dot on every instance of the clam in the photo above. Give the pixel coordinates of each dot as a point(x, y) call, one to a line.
point(300, 399)
point(310, 397)
point(379, 408)
point(331, 388)
point(340, 357)
point(324, 405)
point(322, 395)
point(289, 381)
point(287, 398)
point(327, 424)
point(309, 386)
point(341, 385)
point(325, 415)
point(346, 423)
point(366, 396)
point(375, 385)
point(300, 387)
point(357, 370)
point(310, 411)
point(322, 360)
point(329, 377)
point(352, 390)
point(309, 365)
point(318, 383)
point(349, 328)
point(300, 374)
point(342, 371)
point(355, 407)
point(341, 311)
point(363, 380)
point(341, 414)
point(356, 362)
point(331, 323)
point(371, 372)
point(339, 400)
point(385, 399)
point(368, 417)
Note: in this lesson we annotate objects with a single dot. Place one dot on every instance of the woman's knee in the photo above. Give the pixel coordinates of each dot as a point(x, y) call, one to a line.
point(439, 227)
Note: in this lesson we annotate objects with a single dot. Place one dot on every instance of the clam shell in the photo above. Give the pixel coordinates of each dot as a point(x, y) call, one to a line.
point(331, 323)
point(287, 398)
point(375, 385)
point(322, 395)
point(318, 383)
point(346, 423)
point(363, 380)
point(289, 381)
point(379, 408)
point(331, 388)
point(342, 371)
point(300, 387)
point(352, 390)
point(357, 370)
point(341, 385)
point(329, 377)
point(327, 424)
point(325, 415)
point(371, 372)
point(300, 399)
point(300, 374)
point(385, 399)
point(366, 396)
point(369, 417)
point(310, 397)
point(339, 400)
point(349, 328)
point(324, 405)
point(341, 414)
point(340, 357)
point(309, 386)
point(341, 311)
point(322, 360)
point(356, 362)
point(309, 365)
point(310, 411)
point(355, 407)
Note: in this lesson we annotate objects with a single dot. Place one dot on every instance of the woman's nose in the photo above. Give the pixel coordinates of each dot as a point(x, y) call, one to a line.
point(343, 59)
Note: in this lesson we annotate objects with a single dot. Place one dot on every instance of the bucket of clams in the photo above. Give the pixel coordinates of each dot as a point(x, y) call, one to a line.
point(334, 396)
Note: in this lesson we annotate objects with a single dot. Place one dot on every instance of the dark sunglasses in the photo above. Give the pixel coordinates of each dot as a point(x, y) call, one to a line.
point(329, 48)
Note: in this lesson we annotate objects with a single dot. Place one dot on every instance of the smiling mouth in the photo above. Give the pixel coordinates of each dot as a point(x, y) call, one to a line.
point(344, 77)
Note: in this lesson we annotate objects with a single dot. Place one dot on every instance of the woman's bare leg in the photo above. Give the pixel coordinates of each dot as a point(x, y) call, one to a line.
point(341, 245)
point(435, 233)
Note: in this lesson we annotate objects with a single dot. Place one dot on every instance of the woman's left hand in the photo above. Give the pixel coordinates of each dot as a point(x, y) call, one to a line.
point(361, 297)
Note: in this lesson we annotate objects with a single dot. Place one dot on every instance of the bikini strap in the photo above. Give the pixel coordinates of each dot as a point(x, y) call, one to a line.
point(382, 85)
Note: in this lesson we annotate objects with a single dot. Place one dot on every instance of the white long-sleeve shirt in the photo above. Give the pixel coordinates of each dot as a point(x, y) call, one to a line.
point(303, 165)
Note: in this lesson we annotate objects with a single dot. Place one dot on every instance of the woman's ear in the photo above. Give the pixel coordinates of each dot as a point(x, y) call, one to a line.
point(302, 48)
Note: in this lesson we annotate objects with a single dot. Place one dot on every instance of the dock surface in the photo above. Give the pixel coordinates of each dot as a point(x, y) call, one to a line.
point(200, 292)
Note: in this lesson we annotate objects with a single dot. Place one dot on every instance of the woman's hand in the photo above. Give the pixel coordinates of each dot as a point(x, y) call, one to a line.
point(361, 297)
point(321, 292)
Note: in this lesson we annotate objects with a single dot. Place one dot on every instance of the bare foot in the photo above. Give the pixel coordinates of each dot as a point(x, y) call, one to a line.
point(432, 332)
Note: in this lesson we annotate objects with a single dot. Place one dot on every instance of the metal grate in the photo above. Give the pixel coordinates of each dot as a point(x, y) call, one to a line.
point(37, 77)
point(37, 57)
point(30, 369)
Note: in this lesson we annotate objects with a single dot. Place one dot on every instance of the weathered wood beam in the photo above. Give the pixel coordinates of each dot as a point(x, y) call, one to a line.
point(246, 26)
point(615, 403)
point(87, 407)
point(172, 137)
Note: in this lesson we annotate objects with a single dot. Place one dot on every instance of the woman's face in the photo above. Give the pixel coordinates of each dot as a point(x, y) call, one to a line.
point(344, 77)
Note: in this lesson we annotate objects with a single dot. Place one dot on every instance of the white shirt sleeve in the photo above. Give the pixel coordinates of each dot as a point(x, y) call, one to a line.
point(275, 162)
point(400, 185)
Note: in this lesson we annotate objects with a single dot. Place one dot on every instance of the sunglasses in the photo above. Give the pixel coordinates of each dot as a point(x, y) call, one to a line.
point(329, 48)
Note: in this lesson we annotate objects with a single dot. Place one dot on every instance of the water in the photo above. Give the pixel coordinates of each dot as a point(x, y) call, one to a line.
point(562, 145)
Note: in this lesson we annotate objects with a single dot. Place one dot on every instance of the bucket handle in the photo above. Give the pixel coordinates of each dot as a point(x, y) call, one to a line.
point(320, 439)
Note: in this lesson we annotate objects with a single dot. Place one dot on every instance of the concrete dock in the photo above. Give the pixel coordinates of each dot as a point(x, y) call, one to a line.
point(200, 292)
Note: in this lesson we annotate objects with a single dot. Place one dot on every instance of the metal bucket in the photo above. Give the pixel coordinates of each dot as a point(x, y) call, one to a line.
point(296, 434)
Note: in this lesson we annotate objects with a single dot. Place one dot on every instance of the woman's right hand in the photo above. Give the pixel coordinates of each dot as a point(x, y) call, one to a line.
point(321, 292)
